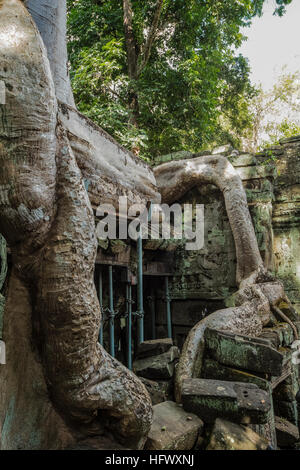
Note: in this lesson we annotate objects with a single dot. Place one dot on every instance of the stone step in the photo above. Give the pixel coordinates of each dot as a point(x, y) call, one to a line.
point(244, 352)
point(230, 436)
point(286, 432)
point(157, 367)
point(173, 428)
point(236, 401)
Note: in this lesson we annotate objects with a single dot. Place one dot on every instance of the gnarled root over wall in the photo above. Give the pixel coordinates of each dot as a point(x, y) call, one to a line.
point(259, 292)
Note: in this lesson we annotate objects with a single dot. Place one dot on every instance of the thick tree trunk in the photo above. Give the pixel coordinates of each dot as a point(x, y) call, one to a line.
point(137, 61)
point(132, 61)
point(28, 419)
point(50, 17)
point(47, 220)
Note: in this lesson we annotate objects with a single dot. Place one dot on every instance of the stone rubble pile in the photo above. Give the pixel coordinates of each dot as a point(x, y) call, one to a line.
point(155, 364)
point(245, 399)
point(247, 395)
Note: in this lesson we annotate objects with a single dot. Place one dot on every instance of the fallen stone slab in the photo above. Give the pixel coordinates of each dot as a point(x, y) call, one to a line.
point(214, 370)
point(230, 436)
point(157, 367)
point(159, 390)
point(244, 352)
point(154, 347)
point(286, 432)
point(236, 401)
point(173, 428)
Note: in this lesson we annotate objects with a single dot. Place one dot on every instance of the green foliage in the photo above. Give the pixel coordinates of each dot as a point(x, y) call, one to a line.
point(281, 4)
point(192, 91)
point(275, 113)
point(285, 130)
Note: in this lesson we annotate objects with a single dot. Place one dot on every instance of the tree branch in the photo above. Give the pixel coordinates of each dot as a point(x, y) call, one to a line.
point(151, 36)
point(130, 39)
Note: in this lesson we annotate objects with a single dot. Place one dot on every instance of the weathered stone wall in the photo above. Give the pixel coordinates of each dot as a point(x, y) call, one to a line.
point(286, 218)
point(205, 279)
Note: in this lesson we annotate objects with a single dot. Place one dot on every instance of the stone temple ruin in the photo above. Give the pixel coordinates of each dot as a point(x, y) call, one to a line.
point(243, 379)
point(211, 335)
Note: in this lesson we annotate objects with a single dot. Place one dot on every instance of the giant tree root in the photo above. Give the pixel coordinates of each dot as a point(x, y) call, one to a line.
point(83, 378)
point(47, 220)
point(259, 291)
point(249, 317)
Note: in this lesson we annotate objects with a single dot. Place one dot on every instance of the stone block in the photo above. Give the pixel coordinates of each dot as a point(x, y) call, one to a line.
point(288, 334)
point(244, 352)
point(243, 160)
point(153, 347)
point(287, 410)
point(159, 390)
point(173, 428)
point(281, 335)
point(274, 337)
point(214, 370)
point(284, 377)
point(293, 378)
point(222, 150)
point(255, 172)
point(286, 432)
point(157, 367)
point(235, 401)
point(230, 436)
point(285, 392)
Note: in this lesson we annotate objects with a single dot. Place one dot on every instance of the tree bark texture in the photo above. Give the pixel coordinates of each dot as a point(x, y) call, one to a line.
point(47, 220)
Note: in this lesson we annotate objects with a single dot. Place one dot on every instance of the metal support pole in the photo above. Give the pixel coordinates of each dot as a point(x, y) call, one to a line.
point(140, 305)
point(101, 307)
point(111, 313)
point(129, 325)
point(168, 301)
